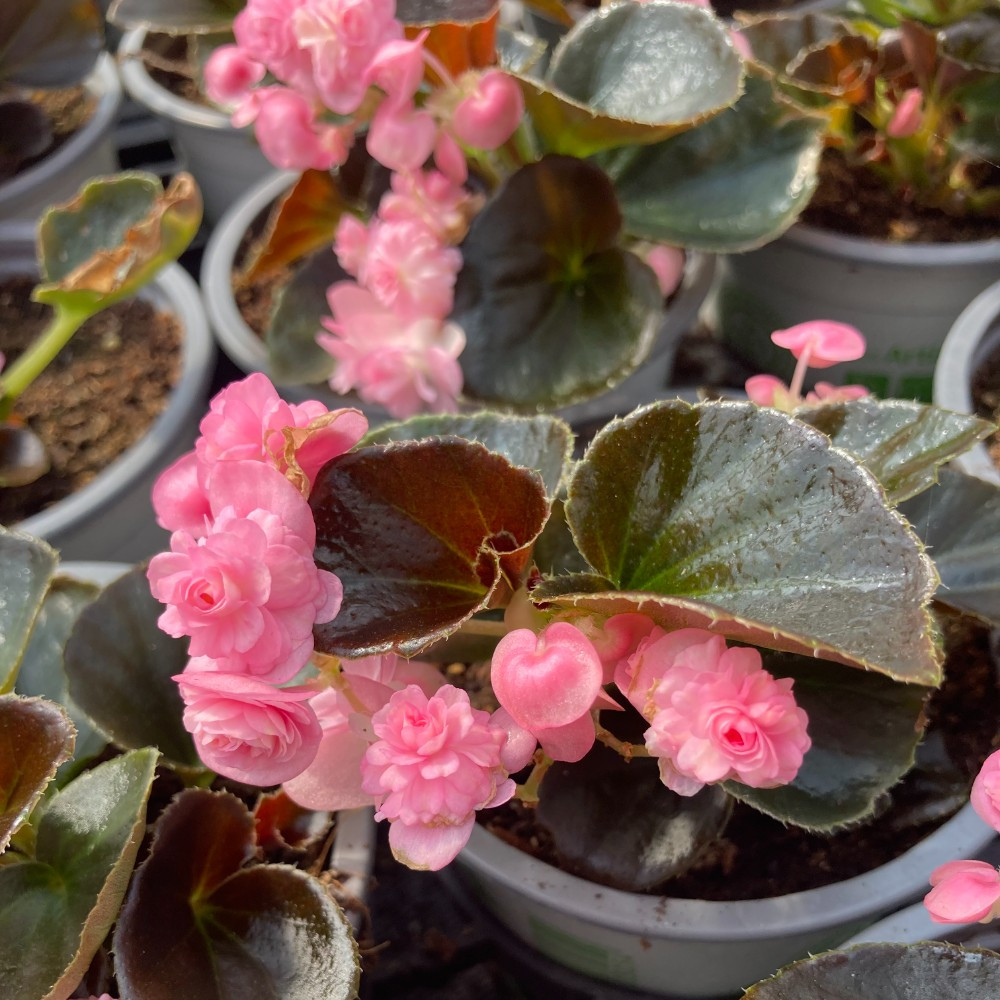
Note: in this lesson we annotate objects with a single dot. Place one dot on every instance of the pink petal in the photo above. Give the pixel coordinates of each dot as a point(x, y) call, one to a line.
point(428, 848)
point(827, 341)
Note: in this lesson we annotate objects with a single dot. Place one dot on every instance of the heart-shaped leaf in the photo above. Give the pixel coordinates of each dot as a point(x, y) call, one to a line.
point(179, 17)
point(36, 736)
point(745, 520)
point(864, 729)
point(930, 970)
point(619, 825)
point(553, 310)
point(42, 671)
point(461, 33)
point(28, 565)
point(542, 443)
point(294, 356)
point(23, 457)
point(55, 911)
point(198, 923)
point(113, 237)
point(422, 535)
point(959, 521)
point(902, 443)
point(731, 184)
point(48, 43)
point(119, 667)
point(633, 73)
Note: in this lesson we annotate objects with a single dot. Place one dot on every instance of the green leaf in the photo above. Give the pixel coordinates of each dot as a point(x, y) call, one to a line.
point(55, 911)
point(864, 729)
point(294, 355)
point(901, 443)
point(119, 666)
point(422, 534)
point(633, 73)
point(519, 52)
point(732, 184)
point(979, 136)
point(35, 738)
point(974, 41)
point(179, 17)
point(42, 671)
point(930, 970)
point(745, 520)
point(555, 552)
point(28, 564)
point(543, 443)
point(48, 43)
point(112, 238)
point(199, 924)
point(553, 310)
point(959, 521)
point(619, 825)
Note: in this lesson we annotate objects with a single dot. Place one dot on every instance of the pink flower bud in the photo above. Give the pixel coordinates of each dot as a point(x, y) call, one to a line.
point(964, 892)
point(768, 390)
point(546, 680)
point(398, 67)
point(291, 138)
point(488, 117)
point(985, 795)
point(230, 73)
point(401, 138)
point(908, 115)
point(449, 158)
point(825, 342)
point(668, 266)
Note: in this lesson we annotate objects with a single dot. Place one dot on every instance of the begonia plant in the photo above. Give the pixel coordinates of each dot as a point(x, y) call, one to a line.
point(501, 235)
point(717, 601)
point(909, 92)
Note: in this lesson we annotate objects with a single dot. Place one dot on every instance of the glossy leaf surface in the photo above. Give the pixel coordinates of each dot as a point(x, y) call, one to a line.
point(179, 17)
point(553, 310)
point(746, 520)
point(542, 443)
point(55, 911)
point(48, 43)
point(422, 535)
point(119, 665)
point(199, 924)
point(36, 736)
point(902, 443)
point(930, 970)
point(28, 565)
point(731, 184)
point(864, 729)
point(633, 73)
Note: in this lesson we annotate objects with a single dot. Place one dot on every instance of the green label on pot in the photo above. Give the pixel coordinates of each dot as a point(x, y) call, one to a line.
point(582, 956)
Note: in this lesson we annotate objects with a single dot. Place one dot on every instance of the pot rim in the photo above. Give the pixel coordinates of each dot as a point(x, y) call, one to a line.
point(144, 89)
point(172, 290)
point(891, 885)
point(871, 251)
point(104, 83)
point(970, 339)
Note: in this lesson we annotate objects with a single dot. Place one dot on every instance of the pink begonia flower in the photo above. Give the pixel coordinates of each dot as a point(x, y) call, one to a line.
point(351, 243)
point(667, 264)
point(546, 680)
point(290, 136)
point(826, 392)
point(401, 138)
point(715, 714)
point(489, 116)
point(985, 795)
point(344, 37)
point(429, 198)
point(449, 158)
point(617, 639)
point(180, 501)
point(409, 271)
point(264, 31)
point(965, 892)
point(398, 67)
point(249, 590)
point(908, 115)
point(435, 761)
point(248, 730)
point(230, 73)
point(769, 390)
point(519, 745)
point(823, 342)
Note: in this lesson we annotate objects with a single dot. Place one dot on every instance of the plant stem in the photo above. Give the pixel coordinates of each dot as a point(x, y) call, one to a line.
point(331, 669)
point(795, 389)
point(627, 750)
point(528, 792)
point(480, 626)
point(37, 358)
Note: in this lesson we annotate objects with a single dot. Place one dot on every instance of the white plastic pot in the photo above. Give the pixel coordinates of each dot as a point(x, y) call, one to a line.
point(903, 298)
point(973, 338)
point(89, 152)
point(224, 160)
point(687, 948)
point(112, 517)
point(249, 352)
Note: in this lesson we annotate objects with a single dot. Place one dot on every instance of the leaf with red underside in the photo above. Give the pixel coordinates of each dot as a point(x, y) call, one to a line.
point(463, 33)
point(422, 534)
point(199, 923)
point(280, 823)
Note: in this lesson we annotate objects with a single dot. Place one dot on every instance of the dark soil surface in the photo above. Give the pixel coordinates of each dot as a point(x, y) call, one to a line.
point(99, 396)
point(68, 110)
point(168, 62)
point(986, 398)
